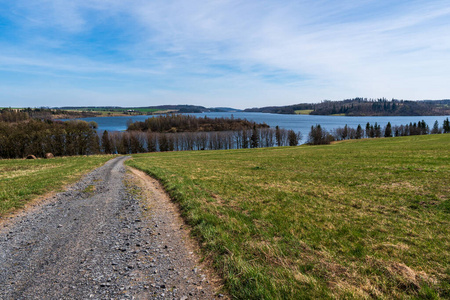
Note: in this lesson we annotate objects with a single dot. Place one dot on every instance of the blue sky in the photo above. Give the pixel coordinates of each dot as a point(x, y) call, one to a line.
point(221, 53)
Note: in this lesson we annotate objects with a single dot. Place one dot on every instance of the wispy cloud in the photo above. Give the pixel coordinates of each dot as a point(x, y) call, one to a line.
point(229, 52)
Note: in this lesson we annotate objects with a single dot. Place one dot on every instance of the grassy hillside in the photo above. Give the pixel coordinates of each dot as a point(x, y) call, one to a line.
point(23, 180)
point(355, 219)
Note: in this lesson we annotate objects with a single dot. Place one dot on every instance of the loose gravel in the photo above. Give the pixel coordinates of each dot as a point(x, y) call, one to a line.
point(113, 235)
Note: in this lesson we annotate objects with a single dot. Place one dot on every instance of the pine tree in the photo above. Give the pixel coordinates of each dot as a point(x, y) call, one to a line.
point(106, 143)
point(125, 141)
point(278, 135)
point(254, 139)
point(388, 130)
point(446, 126)
point(436, 129)
point(359, 132)
point(368, 130)
point(377, 129)
point(372, 132)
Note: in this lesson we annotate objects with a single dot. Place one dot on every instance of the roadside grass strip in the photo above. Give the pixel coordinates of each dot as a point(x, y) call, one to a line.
point(23, 180)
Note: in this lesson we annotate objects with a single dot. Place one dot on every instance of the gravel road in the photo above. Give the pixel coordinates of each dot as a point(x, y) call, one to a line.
point(113, 235)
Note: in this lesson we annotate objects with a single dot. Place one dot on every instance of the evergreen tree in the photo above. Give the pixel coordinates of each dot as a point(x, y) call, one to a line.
point(94, 144)
point(125, 149)
point(345, 132)
point(359, 132)
point(372, 132)
point(254, 139)
point(106, 143)
point(368, 130)
point(377, 129)
point(446, 126)
point(423, 127)
point(388, 130)
point(278, 135)
point(436, 129)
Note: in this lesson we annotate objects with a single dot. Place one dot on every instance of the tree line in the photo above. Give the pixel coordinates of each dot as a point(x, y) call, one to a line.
point(130, 142)
point(318, 135)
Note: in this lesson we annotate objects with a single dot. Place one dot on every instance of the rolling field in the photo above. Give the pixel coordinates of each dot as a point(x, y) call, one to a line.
point(356, 219)
point(23, 180)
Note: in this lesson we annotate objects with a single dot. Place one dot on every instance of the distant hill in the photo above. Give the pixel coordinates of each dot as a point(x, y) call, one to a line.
point(363, 107)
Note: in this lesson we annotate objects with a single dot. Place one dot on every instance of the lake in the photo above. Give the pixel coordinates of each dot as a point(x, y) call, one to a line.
point(297, 123)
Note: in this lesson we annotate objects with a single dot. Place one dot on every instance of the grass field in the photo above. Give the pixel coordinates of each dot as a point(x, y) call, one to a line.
point(304, 111)
point(356, 219)
point(23, 180)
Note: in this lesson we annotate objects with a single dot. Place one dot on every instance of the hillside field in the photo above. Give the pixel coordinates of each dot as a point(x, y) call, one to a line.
point(23, 180)
point(110, 111)
point(355, 219)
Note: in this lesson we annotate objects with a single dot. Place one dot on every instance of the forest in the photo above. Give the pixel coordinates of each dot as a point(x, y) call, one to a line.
point(364, 107)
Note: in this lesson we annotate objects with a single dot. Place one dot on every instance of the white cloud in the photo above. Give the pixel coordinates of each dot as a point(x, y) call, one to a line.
point(254, 51)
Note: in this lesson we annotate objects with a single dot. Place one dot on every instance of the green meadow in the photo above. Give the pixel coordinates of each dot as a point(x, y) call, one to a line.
point(23, 180)
point(355, 219)
point(304, 111)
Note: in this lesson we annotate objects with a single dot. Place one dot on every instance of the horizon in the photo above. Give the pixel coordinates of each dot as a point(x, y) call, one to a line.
point(238, 54)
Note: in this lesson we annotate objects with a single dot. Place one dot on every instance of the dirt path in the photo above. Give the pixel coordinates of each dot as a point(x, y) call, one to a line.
point(113, 235)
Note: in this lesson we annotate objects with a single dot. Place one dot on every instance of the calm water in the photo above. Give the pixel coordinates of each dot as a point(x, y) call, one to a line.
point(297, 123)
